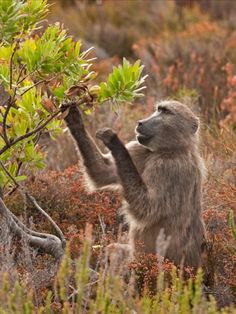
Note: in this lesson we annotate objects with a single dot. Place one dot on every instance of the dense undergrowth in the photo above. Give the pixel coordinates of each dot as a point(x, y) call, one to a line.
point(190, 55)
point(77, 290)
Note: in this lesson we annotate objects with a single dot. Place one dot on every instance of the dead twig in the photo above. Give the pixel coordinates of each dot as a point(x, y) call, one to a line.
point(36, 205)
point(51, 245)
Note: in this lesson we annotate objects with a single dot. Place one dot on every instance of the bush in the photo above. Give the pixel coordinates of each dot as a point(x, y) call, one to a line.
point(78, 290)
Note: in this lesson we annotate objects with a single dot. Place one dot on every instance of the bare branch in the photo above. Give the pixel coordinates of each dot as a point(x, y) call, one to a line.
point(10, 100)
point(20, 72)
point(11, 65)
point(34, 202)
point(8, 174)
point(56, 227)
point(29, 231)
point(25, 77)
point(51, 245)
point(34, 85)
point(46, 81)
point(4, 127)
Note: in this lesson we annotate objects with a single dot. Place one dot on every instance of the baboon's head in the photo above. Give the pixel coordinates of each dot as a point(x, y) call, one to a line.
point(173, 125)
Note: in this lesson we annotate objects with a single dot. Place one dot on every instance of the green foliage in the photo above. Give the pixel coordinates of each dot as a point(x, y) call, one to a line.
point(123, 83)
point(37, 70)
point(18, 16)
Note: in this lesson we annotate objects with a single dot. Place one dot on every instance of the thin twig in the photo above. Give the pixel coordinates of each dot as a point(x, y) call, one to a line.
point(22, 137)
point(75, 292)
point(45, 214)
point(29, 231)
point(34, 202)
point(25, 77)
point(46, 81)
point(37, 129)
point(2, 137)
point(8, 174)
point(10, 100)
point(34, 85)
point(11, 65)
point(20, 72)
point(102, 224)
point(4, 128)
point(19, 164)
point(51, 245)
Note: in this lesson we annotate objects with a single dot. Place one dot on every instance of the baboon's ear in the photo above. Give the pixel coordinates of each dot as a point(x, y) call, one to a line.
point(195, 125)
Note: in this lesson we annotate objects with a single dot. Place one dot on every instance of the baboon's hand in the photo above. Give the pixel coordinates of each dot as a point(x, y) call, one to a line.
point(64, 107)
point(73, 116)
point(106, 135)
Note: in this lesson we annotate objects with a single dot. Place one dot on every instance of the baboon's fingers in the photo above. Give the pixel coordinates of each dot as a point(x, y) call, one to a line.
point(67, 105)
point(105, 135)
point(73, 116)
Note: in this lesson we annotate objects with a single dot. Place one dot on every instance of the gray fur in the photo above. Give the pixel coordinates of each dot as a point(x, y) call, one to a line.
point(160, 177)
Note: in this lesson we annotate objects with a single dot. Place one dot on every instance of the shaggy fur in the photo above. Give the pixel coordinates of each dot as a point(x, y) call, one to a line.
point(160, 175)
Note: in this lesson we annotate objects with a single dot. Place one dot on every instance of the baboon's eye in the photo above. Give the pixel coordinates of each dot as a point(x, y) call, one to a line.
point(164, 110)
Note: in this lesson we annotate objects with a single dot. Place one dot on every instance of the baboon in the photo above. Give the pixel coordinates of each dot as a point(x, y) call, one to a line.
point(159, 174)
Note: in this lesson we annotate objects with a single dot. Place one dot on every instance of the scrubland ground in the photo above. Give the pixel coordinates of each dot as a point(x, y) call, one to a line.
point(189, 51)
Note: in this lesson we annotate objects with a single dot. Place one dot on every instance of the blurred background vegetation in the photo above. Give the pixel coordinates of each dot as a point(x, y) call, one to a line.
point(188, 48)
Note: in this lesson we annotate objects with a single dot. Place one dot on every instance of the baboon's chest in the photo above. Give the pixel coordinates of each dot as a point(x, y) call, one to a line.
point(153, 171)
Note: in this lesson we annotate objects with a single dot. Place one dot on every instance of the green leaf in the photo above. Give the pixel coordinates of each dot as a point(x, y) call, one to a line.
point(18, 16)
point(123, 84)
point(20, 178)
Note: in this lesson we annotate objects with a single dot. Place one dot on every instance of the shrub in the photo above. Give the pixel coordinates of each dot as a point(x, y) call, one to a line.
point(78, 291)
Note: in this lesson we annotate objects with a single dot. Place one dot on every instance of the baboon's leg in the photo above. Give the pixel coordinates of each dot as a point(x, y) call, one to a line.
point(99, 168)
point(134, 189)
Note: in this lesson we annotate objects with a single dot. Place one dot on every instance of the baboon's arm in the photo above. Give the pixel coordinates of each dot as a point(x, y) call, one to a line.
point(99, 168)
point(134, 189)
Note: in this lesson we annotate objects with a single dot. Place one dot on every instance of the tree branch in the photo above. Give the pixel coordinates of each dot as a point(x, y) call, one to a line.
point(22, 137)
point(34, 85)
point(45, 214)
point(25, 77)
point(10, 100)
point(34, 202)
point(11, 65)
point(51, 245)
point(4, 129)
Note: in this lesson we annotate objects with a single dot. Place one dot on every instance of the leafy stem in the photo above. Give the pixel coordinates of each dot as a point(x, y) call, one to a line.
point(28, 134)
